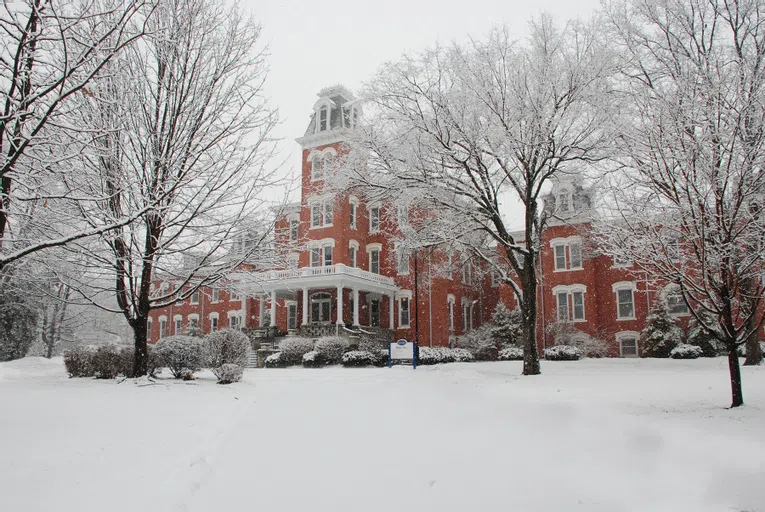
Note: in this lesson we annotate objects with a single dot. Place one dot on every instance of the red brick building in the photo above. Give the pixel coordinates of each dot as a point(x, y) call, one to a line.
point(339, 246)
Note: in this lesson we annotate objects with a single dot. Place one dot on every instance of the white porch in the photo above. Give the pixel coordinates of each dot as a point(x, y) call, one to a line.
point(298, 286)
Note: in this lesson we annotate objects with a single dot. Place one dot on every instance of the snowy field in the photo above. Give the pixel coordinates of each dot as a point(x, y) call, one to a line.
point(601, 435)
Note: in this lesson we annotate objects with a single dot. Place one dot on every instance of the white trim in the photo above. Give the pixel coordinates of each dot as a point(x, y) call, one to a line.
point(318, 244)
point(565, 241)
point(400, 295)
point(621, 335)
point(403, 293)
point(623, 286)
point(371, 207)
point(570, 288)
point(192, 316)
point(162, 317)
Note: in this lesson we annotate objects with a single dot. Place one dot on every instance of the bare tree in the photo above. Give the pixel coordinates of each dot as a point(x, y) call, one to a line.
point(49, 51)
point(690, 196)
point(467, 127)
point(187, 141)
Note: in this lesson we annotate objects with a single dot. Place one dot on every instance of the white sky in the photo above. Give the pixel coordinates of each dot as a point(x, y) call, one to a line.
point(317, 44)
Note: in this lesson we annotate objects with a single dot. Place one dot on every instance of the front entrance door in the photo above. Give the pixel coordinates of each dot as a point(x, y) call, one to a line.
point(321, 308)
point(374, 313)
point(292, 316)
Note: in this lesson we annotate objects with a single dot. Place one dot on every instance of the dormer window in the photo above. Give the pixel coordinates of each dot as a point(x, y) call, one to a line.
point(564, 202)
point(316, 168)
point(323, 119)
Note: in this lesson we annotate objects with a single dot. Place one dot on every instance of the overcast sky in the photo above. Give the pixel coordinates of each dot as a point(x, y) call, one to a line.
point(321, 43)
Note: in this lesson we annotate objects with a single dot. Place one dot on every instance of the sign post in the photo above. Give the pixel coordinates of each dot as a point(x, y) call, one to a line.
point(402, 350)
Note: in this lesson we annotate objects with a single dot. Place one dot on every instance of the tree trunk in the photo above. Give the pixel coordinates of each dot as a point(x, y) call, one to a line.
point(735, 378)
point(529, 311)
point(141, 360)
point(753, 350)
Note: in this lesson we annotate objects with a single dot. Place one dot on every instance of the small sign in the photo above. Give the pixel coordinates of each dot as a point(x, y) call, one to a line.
point(402, 350)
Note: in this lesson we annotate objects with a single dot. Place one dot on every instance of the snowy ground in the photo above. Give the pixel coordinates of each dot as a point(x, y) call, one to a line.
point(601, 435)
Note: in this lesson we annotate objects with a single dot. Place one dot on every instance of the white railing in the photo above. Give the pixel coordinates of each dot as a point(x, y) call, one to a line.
point(339, 269)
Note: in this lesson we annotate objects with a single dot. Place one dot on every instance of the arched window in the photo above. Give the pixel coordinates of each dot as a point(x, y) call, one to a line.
point(316, 168)
point(329, 160)
point(564, 201)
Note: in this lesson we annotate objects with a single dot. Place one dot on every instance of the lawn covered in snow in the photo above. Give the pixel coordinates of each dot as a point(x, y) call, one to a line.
point(602, 435)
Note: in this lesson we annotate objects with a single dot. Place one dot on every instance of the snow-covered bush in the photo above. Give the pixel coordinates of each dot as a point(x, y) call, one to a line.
point(701, 337)
point(462, 355)
point(511, 354)
point(106, 362)
point(742, 349)
point(593, 347)
point(77, 361)
point(685, 351)
point(661, 334)
point(227, 346)
point(181, 354)
point(313, 359)
point(357, 358)
point(563, 353)
point(274, 361)
point(293, 349)
point(331, 349)
point(228, 373)
point(379, 357)
point(506, 325)
point(480, 343)
point(435, 355)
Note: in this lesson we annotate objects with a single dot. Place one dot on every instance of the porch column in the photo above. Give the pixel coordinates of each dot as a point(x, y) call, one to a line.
point(261, 310)
point(356, 307)
point(305, 306)
point(273, 308)
point(340, 304)
point(391, 309)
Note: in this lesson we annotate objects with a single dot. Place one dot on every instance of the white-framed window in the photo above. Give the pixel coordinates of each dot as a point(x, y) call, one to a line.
point(315, 257)
point(293, 230)
point(162, 327)
point(234, 295)
point(327, 249)
point(329, 161)
point(402, 212)
point(625, 300)
point(178, 325)
point(564, 201)
point(193, 321)
point(467, 315)
point(569, 302)
point(353, 207)
point(293, 260)
point(316, 168)
point(374, 219)
point(215, 294)
point(403, 311)
point(495, 278)
point(450, 300)
point(148, 328)
point(195, 297)
point(673, 249)
point(323, 119)
point(402, 261)
point(374, 250)
point(467, 272)
point(567, 253)
point(353, 253)
point(213, 322)
point(450, 266)
point(628, 343)
point(676, 305)
point(322, 212)
point(235, 320)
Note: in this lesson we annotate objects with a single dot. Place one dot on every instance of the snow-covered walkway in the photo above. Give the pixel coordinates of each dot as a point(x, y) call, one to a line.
point(600, 435)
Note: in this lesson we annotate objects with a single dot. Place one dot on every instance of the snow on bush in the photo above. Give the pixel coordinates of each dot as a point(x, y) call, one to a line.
point(511, 354)
point(506, 325)
point(227, 346)
point(77, 361)
point(274, 361)
point(293, 349)
point(563, 353)
point(660, 334)
point(685, 351)
point(701, 337)
point(313, 359)
point(435, 355)
point(742, 349)
point(331, 349)
point(480, 343)
point(565, 333)
point(379, 357)
point(357, 358)
point(228, 373)
point(181, 354)
point(462, 355)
